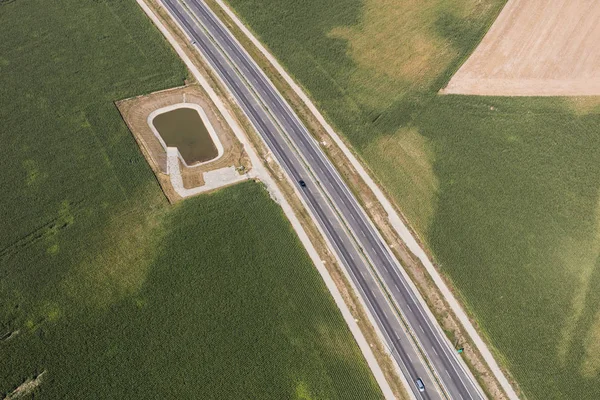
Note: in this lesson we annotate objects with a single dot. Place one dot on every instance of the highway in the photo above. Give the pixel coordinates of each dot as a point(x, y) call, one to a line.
point(365, 255)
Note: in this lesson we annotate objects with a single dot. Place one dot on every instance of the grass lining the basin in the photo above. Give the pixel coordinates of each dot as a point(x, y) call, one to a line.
point(503, 191)
point(103, 285)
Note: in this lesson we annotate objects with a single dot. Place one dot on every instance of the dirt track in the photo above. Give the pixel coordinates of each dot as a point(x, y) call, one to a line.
point(536, 48)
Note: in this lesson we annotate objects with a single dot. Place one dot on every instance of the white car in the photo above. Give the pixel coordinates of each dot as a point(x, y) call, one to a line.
point(420, 385)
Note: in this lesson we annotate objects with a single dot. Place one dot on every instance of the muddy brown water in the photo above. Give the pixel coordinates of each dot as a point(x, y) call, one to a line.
point(183, 128)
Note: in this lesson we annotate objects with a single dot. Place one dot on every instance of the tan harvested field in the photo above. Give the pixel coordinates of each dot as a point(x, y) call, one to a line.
point(536, 48)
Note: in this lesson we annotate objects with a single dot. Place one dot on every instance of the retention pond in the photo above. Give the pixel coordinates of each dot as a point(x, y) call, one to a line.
point(184, 128)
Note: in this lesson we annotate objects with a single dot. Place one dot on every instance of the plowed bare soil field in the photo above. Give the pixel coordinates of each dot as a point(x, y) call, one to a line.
point(536, 48)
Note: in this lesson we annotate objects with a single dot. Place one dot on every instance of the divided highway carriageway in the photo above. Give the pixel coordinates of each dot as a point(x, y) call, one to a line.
point(413, 337)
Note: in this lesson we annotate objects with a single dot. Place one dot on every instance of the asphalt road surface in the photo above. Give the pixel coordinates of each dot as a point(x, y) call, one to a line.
point(368, 260)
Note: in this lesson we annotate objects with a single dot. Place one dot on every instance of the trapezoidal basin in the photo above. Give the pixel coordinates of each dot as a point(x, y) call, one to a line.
point(186, 127)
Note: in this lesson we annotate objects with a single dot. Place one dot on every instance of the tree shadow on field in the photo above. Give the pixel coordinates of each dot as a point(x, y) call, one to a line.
point(515, 221)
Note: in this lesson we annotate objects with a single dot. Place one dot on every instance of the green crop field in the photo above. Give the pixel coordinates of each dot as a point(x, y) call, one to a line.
point(106, 290)
point(505, 192)
point(229, 307)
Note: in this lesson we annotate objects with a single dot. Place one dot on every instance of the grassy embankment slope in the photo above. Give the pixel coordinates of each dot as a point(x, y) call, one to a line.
point(503, 191)
point(103, 285)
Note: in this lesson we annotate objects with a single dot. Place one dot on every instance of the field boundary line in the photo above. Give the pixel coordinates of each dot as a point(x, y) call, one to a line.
point(393, 216)
point(260, 172)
